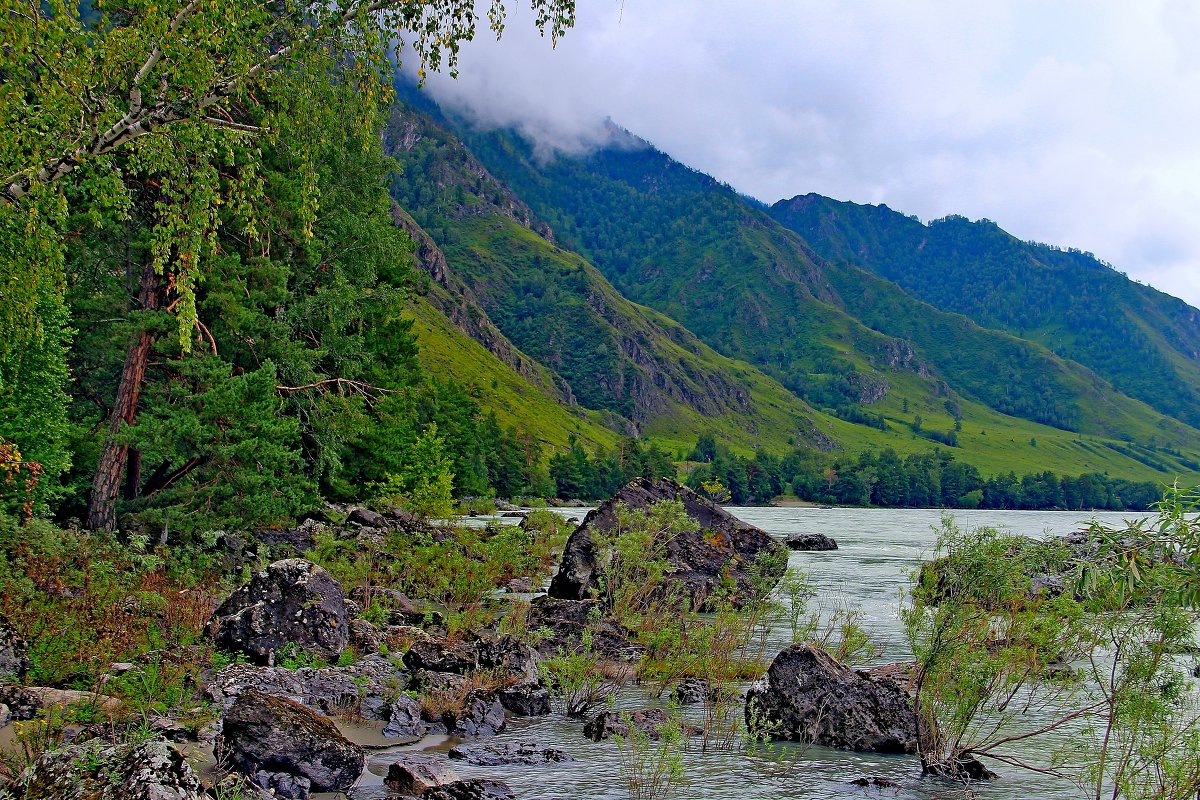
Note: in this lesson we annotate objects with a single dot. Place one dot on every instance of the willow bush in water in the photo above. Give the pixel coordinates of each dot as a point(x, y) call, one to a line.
point(1087, 637)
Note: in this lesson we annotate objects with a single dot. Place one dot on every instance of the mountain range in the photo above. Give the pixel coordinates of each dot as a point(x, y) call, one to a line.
point(620, 292)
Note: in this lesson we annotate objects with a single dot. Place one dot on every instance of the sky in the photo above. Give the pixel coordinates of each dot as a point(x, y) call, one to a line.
point(1071, 123)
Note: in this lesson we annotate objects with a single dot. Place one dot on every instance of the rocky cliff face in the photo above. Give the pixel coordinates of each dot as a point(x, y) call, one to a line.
point(459, 305)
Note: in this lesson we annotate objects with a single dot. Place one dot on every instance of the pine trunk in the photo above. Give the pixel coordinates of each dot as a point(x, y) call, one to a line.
point(106, 486)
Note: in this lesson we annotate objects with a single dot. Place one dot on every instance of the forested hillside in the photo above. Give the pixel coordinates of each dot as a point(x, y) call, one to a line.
point(839, 337)
point(646, 373)
point(1145, 342)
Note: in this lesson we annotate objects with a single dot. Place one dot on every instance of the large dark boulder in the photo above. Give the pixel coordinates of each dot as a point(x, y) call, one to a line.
point(100, 770)
point(723, 548)
point(291, 601)
point(808, 696)
point(276, 736)
point(808, 542)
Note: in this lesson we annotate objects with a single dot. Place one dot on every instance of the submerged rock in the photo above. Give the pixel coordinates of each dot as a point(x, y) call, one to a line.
point(723, 550)
point(809, 542)
point(617, 723)
point(808, 696)
point(290, 602)
point(495, 754)
point(274, 735)
point(99, 770)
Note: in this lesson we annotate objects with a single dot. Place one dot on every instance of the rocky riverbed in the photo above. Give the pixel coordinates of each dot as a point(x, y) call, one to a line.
point(413, 713)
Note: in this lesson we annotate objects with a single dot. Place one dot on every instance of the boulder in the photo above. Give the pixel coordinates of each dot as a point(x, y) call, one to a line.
point(366, 518)
point(474, 789)
point(99, 770)
point(526, 699)
point(404, 719)
point(723, 549)
point(269, 734)
point(808, 696)
point(417, 773)
point(811, 542)
point(497, 754)
point(435, 656)
point(482, 715)
point(14, 654)
point(362, 686)
point(291, 601)
point(615, 723)
point(508, 656)
point(691, 691)
point(568, 619)
point(364, 636)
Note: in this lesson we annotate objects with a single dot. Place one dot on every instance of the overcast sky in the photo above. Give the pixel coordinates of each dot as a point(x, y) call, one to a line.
point(1073, 123)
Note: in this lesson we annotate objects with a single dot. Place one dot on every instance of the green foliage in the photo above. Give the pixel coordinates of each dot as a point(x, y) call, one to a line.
point(986, 643)
point(425, 486)
point(633, 558)
point(578, 680)
point(1080, 308)
point(653, 767)
point(84, 601)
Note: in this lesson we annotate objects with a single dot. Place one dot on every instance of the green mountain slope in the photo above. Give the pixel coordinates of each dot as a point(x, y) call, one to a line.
point(638, 371)
point(679, 241)
point(1145, 342)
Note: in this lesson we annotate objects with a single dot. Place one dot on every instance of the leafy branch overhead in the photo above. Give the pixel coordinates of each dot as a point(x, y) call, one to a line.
point(183, 96)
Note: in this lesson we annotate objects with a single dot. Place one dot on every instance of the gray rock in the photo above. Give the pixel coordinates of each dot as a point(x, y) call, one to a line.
point(808, 696)
point(482, 715)
point(417, 773)
point(496, 754)
point(367, 518)
point(613, 723)
point(404, 719)
point(364, 636)
point(474, 789)
point(811, 542)
point(363, 686)
point(567, 620)
point(435, 656)
point(691, 691)
point(283, 784)
point(723, 549)
point(5, 715)
point(274, 734)
point(526, 699)
point(14, 654)
point(98, 770)
point(291, 601)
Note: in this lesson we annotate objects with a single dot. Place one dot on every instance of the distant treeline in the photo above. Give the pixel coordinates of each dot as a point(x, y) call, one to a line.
point(579, 475)
point(924, 480)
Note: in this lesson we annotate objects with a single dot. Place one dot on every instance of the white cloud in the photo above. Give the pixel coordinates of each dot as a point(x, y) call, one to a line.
point(1072, 123)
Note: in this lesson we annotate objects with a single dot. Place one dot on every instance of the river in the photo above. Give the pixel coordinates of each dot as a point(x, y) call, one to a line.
point(877, 549)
